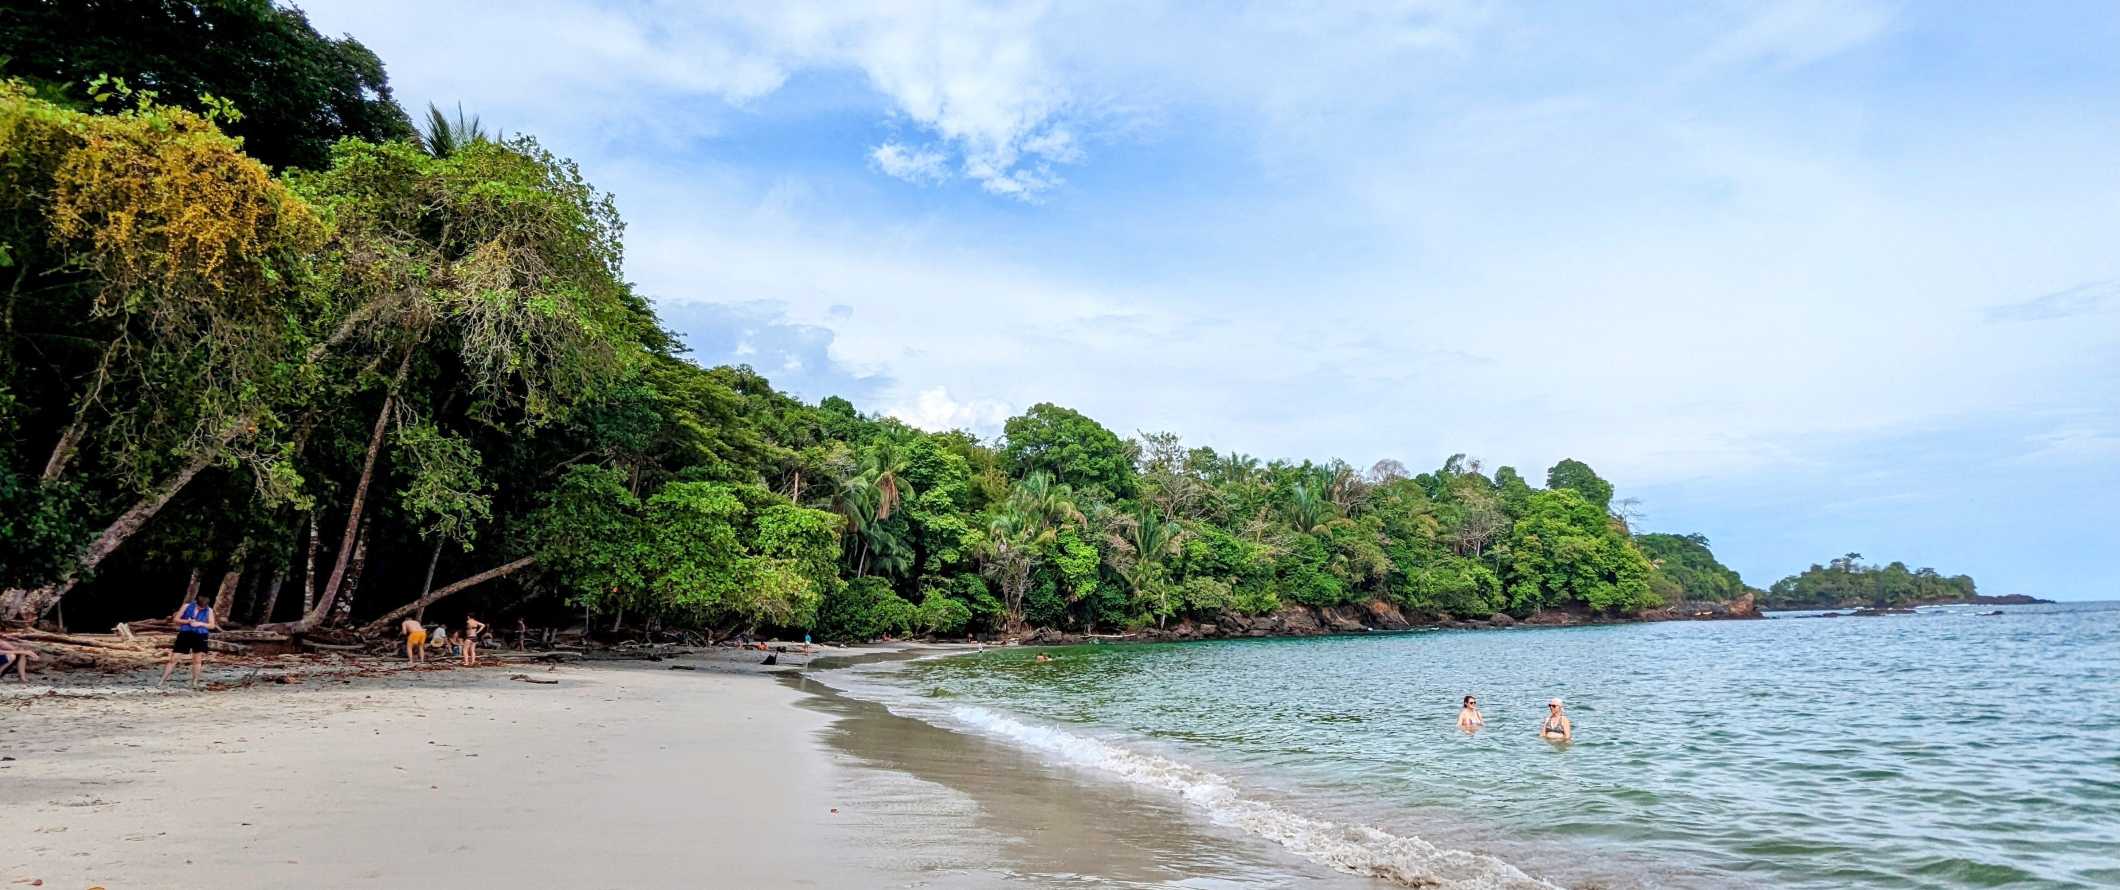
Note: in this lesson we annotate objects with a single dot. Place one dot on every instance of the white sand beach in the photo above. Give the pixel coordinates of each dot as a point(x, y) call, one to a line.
point(610, 777)
point(616, 775)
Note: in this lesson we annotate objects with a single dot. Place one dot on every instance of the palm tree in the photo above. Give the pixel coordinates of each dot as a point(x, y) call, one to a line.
point(1141, 542)
point(869, 495)
point(442, 138)
point(1307, 508)
point(1005, 556)
point(1047, 503)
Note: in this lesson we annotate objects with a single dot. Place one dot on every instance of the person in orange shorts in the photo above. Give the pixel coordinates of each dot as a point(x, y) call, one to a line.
point(415, 641)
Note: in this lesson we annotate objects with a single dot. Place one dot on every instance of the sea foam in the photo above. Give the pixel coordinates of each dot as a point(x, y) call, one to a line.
point(1355, 849)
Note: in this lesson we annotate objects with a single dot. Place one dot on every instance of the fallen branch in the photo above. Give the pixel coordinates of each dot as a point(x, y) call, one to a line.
point(334, 647)
point(526, 678)
point(380, 625)
point(45, 636)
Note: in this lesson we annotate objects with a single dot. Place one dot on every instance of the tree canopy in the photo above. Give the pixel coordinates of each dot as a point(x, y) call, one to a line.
point(297, 91)
point(1847, 581)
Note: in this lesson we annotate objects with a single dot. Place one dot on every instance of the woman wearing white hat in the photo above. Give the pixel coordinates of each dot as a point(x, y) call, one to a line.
point(1556, 728)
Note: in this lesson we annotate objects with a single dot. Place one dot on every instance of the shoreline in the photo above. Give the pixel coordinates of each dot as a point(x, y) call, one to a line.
point(386, 778)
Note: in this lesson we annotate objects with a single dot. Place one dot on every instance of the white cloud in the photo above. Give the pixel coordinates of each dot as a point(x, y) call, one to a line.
point(1426, 227)
point(936, 411)
point(922, 166)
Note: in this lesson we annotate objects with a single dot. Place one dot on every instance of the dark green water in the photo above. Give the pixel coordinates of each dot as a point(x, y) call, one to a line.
point(1947, 749)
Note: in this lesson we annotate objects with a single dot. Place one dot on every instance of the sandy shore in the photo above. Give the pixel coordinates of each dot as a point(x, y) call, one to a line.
point(616, 776)
point(620, 775)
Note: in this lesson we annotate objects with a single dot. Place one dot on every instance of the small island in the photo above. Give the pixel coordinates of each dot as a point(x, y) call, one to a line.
point(1846, 582)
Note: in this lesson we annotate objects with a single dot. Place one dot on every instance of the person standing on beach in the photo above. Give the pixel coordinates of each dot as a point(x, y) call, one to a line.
point(1469, 718)
point(194, 622)
point(17, 658)
point(472, 628)
point(1556, 727)
point(415, 641)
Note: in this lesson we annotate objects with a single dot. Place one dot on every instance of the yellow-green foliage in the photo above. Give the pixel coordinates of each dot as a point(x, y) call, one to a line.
point(165, 211)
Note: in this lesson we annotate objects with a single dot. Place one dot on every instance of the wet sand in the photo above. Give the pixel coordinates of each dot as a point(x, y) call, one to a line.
point(617, 776)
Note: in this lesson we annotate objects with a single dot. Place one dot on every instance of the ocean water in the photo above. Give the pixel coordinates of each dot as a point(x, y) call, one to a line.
point(1944, 749)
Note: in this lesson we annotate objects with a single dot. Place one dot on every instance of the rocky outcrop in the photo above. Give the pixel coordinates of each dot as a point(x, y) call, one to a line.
point(1385, 616)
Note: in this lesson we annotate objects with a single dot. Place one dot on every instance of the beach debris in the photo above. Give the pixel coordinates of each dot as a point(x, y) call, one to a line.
point(526, 678)
point(683, 667)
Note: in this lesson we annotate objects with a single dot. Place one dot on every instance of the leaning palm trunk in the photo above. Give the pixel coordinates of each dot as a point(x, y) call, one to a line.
point(398, 614)
point(315, 617)
point(28, 605)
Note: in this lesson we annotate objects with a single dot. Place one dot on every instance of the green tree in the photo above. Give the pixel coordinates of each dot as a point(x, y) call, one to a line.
point(1578, 477)
point(1567, 551)
point(1074, 450)
point(298, 91)
point(1687, 570)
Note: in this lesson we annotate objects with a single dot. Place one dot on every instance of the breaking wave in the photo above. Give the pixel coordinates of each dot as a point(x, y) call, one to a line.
point(1356, 849)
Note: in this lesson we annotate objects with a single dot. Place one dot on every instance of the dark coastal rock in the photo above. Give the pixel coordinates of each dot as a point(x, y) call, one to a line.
point(1046, 636)
point(1743, 607)
point(1556, 617)
point(1746, 606)
point(1344, 619)
point(1386, 616)
point(1298, 621)
point(1500, 620)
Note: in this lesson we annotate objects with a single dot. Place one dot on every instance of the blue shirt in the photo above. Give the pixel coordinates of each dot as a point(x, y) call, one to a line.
point(195, 612)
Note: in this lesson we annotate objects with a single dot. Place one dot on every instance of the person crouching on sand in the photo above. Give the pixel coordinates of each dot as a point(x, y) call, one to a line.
point(194, 622)
point(1556, 728)
point(415, 641)
point(1469, 718)
point(13, 656)
point(472, 628)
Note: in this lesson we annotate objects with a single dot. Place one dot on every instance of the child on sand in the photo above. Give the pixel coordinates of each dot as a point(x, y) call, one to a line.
point(12, 656)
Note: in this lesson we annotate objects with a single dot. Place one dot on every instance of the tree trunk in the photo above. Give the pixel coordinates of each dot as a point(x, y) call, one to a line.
point(272, 596)
point(343, 612)
point(70, 439)
point(428, 585)
point(309, 579)
point(316, 616)
point(224, 597)
point(27, 605)
point(398, 614)
point(190, 590)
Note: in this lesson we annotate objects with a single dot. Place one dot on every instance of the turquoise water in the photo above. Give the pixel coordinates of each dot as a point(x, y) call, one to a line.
point(1945, 749)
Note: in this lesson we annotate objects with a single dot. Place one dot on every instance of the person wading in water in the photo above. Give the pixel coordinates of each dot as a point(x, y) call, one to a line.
point(1469, 718)
point(1557, 728)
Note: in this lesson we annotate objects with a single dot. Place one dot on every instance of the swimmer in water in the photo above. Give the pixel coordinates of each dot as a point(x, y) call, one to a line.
point(1469, 718)
point(1556, 728)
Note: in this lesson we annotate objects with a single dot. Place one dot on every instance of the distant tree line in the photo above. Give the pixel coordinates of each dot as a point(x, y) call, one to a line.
point(1848, 582)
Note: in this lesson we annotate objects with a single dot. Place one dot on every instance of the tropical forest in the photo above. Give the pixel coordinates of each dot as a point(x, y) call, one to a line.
point(265, 334)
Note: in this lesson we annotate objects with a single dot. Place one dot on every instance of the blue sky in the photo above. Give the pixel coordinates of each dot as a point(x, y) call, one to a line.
point(1806, 277)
